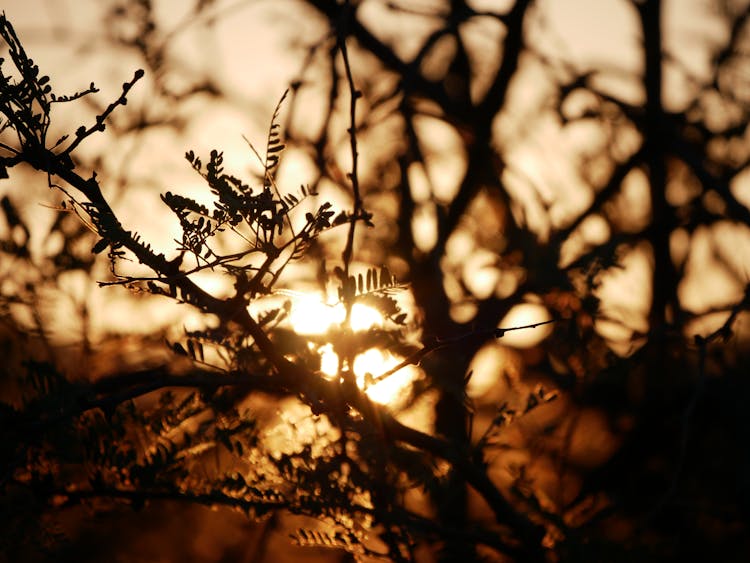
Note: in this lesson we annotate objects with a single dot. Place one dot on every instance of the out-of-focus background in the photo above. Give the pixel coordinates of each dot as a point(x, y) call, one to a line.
point(577, 159)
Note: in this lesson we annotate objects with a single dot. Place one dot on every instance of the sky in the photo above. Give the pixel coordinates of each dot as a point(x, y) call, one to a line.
point(255, 48)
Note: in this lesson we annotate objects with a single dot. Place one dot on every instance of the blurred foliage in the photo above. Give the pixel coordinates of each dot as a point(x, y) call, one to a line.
point(622, 434)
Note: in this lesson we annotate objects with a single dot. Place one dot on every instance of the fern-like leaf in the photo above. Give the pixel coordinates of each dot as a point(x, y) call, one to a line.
point(318, 538)
point(274, 145)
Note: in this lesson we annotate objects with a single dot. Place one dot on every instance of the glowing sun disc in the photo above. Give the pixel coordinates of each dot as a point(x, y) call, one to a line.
point(311, 315)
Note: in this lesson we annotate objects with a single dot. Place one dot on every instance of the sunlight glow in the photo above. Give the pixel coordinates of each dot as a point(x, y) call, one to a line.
point(364, 317)
point(310, 315)
point(298, 427)
point(329, 361)
point(376, 361)
point(368, 365)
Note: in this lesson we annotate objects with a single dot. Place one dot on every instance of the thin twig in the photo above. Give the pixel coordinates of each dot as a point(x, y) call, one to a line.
point(82, 133)
point(439, 343)
point(354, 94)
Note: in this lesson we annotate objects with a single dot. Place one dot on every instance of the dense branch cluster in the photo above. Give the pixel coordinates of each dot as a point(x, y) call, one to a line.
point(349, 476)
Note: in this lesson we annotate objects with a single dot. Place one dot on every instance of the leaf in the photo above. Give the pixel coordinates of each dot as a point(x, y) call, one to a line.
point(268, 316)
point(100, 246)
point(274, 146)
point(320, 538)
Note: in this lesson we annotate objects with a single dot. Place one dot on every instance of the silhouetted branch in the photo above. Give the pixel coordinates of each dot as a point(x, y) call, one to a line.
point(354, 94)
point(478, 336)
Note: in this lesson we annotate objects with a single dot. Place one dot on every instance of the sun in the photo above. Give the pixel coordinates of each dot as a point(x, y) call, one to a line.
point(311, 315)
point(367, 367)
point(391, 389)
